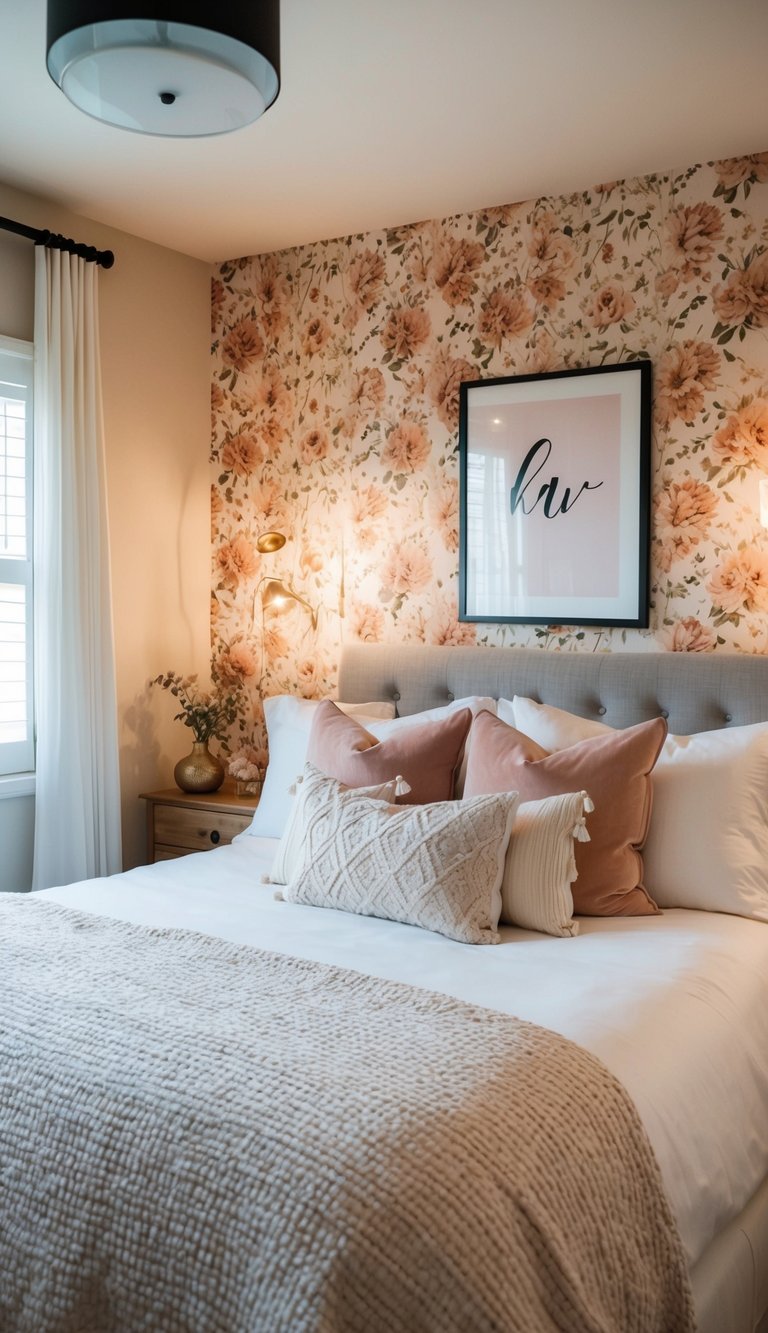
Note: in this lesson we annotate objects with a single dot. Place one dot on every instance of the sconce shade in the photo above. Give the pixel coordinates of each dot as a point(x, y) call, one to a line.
point(175, 68)
point(275, 593)
point(268, 542)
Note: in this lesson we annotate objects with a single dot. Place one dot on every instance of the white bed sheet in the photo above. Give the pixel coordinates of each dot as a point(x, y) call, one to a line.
point(674, 1005)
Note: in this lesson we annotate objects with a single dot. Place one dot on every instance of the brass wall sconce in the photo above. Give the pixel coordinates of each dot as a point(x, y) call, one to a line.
point(269, 542)
point(276, 592)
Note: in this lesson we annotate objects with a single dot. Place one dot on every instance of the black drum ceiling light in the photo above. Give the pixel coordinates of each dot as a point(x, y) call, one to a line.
point(179, 67)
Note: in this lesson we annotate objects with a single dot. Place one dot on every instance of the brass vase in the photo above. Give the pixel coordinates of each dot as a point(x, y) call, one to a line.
point(199, 771)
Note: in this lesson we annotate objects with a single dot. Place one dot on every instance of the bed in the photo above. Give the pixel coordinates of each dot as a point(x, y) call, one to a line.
point(672, 1006)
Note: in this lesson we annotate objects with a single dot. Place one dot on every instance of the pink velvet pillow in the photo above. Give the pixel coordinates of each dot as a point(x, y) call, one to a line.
point(427, 755)
point(615, 771)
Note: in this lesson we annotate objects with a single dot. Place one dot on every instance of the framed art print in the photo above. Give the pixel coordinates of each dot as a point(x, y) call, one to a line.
point(554, 497)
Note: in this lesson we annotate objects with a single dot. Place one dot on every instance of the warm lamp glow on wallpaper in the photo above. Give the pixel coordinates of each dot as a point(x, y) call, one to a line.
point(336, 370)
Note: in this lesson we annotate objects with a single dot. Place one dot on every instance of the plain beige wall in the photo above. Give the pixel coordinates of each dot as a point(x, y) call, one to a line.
point(155, 322)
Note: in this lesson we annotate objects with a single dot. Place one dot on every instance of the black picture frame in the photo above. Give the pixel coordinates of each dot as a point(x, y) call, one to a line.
point(571, 448)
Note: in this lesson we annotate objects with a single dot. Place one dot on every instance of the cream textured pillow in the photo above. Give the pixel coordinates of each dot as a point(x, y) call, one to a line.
point(290, 853)
point(438, 866)
point(541, 865)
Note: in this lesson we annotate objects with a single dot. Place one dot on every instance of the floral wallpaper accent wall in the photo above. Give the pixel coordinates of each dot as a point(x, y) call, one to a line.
point(336, 372)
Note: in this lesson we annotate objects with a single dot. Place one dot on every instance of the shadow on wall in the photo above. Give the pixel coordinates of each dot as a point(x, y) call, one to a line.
point(141, 760)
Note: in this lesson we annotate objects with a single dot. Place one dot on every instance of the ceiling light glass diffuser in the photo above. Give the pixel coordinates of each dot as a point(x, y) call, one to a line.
point(196, 69)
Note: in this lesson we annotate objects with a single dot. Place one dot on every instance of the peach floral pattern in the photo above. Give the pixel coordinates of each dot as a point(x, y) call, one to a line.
point(685, 373)
point(684, 511)
point(407, 570)
point(610, 305)
point(689, 636)
point(407, 448)
point(744, 437)
point(237, 663)
point(694, 232)
point(241, 454)
point(366, 279)
point(313, 446)
point(236, 561)
point(735, 171)
point(243, 345)
point(741, 583)
point(405, 331)
point(367, 623)
point(335, 398)
point(457, 261)
point(504, 315)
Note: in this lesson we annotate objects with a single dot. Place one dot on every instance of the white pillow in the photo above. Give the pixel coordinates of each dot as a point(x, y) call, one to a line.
point(289, 722)
point(707, 843)
point(474, 702)
point(290, 853)
point(438, 866)
point(541, 867)
point(552, 728)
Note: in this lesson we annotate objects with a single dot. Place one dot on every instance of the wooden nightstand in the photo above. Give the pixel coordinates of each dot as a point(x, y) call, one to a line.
point(179, 823)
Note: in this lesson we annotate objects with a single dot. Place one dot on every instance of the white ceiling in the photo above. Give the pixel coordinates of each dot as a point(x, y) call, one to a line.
point(397, 111)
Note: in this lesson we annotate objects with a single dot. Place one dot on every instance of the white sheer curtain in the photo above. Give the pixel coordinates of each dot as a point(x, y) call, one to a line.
point(77, 804)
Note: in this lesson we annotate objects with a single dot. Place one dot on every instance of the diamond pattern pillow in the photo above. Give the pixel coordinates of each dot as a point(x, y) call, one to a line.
point(438, 866)
point(289, 857)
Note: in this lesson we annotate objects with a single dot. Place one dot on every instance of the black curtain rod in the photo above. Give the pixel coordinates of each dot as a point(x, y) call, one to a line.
point(55, 242)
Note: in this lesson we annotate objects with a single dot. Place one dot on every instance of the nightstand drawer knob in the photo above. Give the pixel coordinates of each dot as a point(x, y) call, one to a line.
point(179, 823)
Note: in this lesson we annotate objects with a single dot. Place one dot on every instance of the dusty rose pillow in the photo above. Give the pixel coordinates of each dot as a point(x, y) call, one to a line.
point(427, 755)
point(614, 770)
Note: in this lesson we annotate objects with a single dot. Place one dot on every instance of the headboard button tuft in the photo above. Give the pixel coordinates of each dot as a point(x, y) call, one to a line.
point(728, 717)
point(602, 710)
point(396, 695)
point(663, 712)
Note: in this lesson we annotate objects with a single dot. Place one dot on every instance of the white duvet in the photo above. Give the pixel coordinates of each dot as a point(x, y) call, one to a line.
point(674, 1005)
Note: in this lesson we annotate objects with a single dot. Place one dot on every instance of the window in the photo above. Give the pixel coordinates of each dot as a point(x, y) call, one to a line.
point(16, 712)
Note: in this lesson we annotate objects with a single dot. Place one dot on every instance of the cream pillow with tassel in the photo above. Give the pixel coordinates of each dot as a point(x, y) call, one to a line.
point(541, 866)
point(290, 852)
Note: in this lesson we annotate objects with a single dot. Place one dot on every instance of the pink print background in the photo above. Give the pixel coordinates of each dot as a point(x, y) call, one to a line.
point(576, 553)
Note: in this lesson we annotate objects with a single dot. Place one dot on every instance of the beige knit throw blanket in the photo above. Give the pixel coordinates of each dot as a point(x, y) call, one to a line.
point(198, 1136)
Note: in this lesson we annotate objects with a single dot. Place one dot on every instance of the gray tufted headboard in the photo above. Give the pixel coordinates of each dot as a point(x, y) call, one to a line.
point(695, 692)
